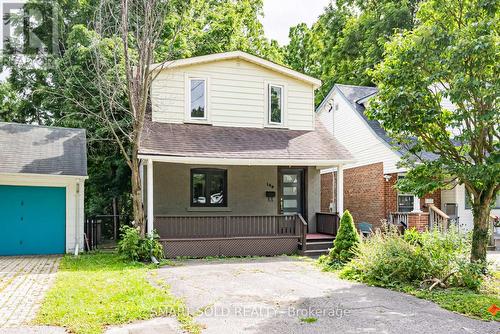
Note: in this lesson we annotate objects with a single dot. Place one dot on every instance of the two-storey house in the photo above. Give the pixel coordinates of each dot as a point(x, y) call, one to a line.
point(232, 154)
point(369, 191)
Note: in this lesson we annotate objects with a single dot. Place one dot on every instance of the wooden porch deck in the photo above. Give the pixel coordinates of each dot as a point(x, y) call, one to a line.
point(200, 236)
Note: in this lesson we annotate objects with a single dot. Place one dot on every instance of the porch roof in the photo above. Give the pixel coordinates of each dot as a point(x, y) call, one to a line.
point(253, 146)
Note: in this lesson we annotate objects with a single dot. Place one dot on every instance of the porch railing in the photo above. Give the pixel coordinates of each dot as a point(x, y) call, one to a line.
point(398, 218)
point(203, 227)
point(438, 219)
point(327, 223)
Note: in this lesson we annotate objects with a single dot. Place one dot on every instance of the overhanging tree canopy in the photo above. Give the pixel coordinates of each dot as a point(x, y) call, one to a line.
point(453, 54)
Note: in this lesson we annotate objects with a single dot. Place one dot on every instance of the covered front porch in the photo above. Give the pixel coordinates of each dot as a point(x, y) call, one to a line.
point(232, 191)
point(224, 209)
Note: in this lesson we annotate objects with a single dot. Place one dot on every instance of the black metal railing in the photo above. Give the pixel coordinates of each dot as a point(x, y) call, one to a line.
point(103, 231)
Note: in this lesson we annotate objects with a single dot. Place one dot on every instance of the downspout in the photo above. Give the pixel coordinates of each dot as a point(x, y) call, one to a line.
point(77, 216)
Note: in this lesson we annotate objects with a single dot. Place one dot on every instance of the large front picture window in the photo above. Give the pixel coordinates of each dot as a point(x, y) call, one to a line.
point(275, 104)
point(208, 187)
point(197, 98)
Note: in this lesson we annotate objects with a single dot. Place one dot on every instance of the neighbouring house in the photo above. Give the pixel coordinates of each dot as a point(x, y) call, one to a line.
point(42, 175)
point(231, 156)
point(369, 191)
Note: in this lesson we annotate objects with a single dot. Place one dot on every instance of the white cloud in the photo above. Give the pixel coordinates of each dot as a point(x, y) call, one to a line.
point(280, 15)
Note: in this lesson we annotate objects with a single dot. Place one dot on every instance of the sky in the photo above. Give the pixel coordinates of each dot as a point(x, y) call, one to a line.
point(280, 15)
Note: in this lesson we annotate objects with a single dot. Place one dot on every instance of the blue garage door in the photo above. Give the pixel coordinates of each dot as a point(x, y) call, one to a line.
point(32, 220)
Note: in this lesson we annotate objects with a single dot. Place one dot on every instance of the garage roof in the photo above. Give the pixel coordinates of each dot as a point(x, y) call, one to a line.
point(35, 149)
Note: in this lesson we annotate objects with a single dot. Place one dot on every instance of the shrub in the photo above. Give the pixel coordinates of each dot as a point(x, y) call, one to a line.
point(389, 260)
point(137, 248)
point(346, 241)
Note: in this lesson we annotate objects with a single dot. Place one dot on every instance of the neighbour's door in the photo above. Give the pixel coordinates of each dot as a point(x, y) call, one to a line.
point(292, 190)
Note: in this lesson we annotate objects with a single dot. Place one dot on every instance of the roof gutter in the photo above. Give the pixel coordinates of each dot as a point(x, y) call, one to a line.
point(245, 162)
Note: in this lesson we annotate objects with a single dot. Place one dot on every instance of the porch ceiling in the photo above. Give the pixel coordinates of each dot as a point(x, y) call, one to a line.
point(194, 143)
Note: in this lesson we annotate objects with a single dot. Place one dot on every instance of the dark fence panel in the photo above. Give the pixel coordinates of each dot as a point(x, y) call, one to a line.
point(327, 223)
point(103, 230)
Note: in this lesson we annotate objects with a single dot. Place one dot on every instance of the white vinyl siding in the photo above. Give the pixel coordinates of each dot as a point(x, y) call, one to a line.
point(237, 95)
point(354, 133)
point(457, 195)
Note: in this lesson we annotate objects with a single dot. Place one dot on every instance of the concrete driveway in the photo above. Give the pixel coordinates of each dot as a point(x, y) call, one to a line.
point(291, 295)
point(24, 280)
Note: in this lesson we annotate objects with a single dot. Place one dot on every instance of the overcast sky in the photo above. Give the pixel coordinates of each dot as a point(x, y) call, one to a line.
point(280, 15)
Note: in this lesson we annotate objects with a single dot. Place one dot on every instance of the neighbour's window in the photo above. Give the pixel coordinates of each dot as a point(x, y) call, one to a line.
point(208, 187)
point(197, 98)
point(275, 104)
point(405, 201)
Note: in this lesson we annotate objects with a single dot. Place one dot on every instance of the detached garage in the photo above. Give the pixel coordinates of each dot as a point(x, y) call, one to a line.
point(42, 175)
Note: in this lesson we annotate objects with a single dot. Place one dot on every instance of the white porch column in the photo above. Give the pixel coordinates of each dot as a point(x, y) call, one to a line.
point(150, 212)
point(416, 204)
point(141, 176)
point(340, 189)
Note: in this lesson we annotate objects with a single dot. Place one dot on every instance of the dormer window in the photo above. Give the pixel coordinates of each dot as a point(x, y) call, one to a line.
point(197, 100)
point(275, 104)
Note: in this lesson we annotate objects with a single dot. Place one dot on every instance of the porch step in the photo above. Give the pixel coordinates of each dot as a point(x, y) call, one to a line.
point(321, 245)
point(318, 246)
point(316, 252)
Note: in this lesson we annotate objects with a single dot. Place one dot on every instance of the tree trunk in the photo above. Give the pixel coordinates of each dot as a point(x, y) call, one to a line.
point(137, 203)
point(481, 213)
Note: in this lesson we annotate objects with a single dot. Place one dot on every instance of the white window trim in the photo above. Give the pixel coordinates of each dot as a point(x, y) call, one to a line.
point(283, 87)
point(187, 102)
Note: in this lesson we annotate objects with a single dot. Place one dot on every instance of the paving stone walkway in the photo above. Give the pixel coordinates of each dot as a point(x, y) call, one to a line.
point(24, 280)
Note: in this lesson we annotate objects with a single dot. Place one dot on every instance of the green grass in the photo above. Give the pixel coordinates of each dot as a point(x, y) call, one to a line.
point(93, 291)
point(462, 301)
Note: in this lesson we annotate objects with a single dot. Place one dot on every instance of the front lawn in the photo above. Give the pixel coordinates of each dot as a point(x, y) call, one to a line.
point(462, 301)
point(93, 291)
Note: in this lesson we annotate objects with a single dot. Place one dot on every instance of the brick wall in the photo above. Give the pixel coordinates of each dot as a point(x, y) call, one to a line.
point(436, 196)
point(368, 196)
point(419, 221)
point(390, 194)
point(364, 193)
point(327, 194)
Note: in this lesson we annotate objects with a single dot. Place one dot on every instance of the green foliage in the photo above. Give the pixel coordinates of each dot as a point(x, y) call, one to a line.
point(454, 58)
point(390, 260)
point(61, 88)
point(136, 248)
point(346, 241)
point(347, 40)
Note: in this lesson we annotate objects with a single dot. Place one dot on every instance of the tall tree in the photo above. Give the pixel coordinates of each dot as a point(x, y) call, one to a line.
point(454, 54)
point(347, 40)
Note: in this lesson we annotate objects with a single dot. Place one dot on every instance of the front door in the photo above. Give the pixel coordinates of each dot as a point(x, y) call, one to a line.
point(292, 190)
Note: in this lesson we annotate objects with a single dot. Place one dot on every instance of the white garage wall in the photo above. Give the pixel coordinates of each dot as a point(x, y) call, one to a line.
point(74, 200)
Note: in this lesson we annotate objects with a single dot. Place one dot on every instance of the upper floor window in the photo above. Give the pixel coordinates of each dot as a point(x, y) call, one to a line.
point(197, 98)
point(275, 104)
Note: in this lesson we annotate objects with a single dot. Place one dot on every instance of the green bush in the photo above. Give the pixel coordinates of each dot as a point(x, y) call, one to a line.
point(346, 241)
point(387, 259)
point(137, 248)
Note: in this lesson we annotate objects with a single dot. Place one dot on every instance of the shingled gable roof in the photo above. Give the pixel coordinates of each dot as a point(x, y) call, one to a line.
point(238, 55)
point(34, 149)
point(206, 141)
